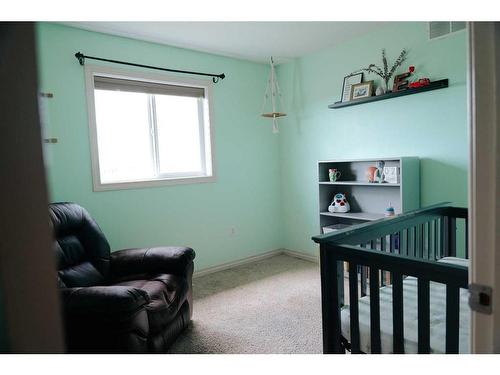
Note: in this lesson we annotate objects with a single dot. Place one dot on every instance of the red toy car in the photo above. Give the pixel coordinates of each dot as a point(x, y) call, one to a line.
point(420, 83)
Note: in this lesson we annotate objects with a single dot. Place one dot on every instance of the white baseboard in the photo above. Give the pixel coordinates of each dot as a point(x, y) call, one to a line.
point(300, 255)
point(253, 259)
point(235, 263)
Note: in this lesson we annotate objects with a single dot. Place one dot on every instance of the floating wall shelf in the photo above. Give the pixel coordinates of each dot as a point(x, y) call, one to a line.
point(441, 84)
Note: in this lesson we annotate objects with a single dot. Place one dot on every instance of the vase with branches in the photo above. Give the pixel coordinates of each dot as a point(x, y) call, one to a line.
point(385, 73)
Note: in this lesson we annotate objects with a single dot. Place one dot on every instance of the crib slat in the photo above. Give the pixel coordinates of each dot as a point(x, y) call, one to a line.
point(428, 240)
point(353, 306)
point(392, 240)
point(423, 316)
point(431, 240)
point(375, 311)
point(404, 242)
point(363, 278)
point(410, 241)
point(422, 240)
point(436, 242)
point(466, 239)
point(407, 241)
point(452, 236)
point(452, 318)
point(364, 275)
point(397, 314)
point(415, 241)
point(419, 240)
point(382, 273)
point(444, 237)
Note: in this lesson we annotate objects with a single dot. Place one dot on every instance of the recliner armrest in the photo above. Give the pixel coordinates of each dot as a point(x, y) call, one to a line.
point(173, 260)
point(103, 299)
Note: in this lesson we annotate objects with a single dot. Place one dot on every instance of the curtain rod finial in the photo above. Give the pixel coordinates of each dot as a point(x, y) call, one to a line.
point(80, 57)
point(216, 78)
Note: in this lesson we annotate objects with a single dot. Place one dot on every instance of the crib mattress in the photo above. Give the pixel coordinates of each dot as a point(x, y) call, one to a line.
point(437, 317)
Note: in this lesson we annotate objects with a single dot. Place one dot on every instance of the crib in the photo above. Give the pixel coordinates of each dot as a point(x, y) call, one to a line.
point(407, 284)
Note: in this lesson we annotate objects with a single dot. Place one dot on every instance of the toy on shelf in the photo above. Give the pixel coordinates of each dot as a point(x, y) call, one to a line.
point(389, 211)
point(339, 204)
point(370, 174)
point(378, 175)
point(333, 174)
point(379, 91)
point(422, 82)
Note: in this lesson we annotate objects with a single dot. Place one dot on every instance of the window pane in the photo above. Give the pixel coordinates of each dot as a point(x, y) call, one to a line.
point(123, 136)
point(178, 134)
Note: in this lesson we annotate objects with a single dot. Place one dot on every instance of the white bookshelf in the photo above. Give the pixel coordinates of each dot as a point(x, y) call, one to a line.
point(368, 200)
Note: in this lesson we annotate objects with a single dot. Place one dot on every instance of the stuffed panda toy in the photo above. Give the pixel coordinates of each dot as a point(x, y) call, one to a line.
point(339, 204)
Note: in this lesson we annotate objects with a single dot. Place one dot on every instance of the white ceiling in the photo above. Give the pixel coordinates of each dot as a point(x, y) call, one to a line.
point(254, 41)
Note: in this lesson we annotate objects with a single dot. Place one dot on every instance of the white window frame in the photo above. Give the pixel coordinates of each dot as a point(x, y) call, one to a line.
point(206, 130)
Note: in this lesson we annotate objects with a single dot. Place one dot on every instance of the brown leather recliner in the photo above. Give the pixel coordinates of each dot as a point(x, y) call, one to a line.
point(134, 300)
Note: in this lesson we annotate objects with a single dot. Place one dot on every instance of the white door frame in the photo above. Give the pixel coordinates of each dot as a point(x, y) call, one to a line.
point(484, 187)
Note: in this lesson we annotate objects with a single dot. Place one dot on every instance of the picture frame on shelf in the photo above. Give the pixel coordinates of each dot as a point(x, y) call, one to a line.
point(391, 175)
point(362, 90)
point(349, 81)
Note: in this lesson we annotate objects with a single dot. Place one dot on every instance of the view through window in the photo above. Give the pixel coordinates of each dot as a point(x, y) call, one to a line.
point(150, 131)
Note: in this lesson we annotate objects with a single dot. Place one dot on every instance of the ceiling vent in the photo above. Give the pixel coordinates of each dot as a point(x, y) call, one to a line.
point(443, 28)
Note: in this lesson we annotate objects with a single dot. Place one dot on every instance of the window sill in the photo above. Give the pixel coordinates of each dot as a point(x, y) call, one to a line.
point(152, 183)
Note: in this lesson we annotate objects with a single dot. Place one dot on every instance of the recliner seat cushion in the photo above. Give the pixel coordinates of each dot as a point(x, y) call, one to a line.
point(166, 292)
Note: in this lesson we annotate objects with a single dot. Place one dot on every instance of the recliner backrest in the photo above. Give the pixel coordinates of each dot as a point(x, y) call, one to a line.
point(82, 250)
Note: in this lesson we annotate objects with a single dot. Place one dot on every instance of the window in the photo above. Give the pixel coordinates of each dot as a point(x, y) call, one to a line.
point(146, 130)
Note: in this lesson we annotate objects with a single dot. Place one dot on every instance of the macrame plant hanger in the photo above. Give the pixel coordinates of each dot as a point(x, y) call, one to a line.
point(273, 92)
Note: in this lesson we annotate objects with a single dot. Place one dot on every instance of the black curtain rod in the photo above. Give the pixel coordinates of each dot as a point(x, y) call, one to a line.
point(81, 59)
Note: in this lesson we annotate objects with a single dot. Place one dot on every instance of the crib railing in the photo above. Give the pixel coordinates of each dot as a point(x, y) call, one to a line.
point(384, 252)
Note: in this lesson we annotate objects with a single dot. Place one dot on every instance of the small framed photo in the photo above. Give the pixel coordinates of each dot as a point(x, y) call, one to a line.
point(347, 86)
point(362, 90)
point(391, 175)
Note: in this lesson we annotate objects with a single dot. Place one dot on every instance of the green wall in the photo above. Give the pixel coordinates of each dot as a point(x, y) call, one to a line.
point(266, 184)
point(246, 193)
point(432, 126)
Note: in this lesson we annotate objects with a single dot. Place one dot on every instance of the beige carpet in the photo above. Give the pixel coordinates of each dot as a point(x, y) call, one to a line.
point(271, 306)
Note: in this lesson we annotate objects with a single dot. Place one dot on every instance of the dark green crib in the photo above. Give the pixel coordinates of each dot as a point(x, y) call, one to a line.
point(385, 252)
